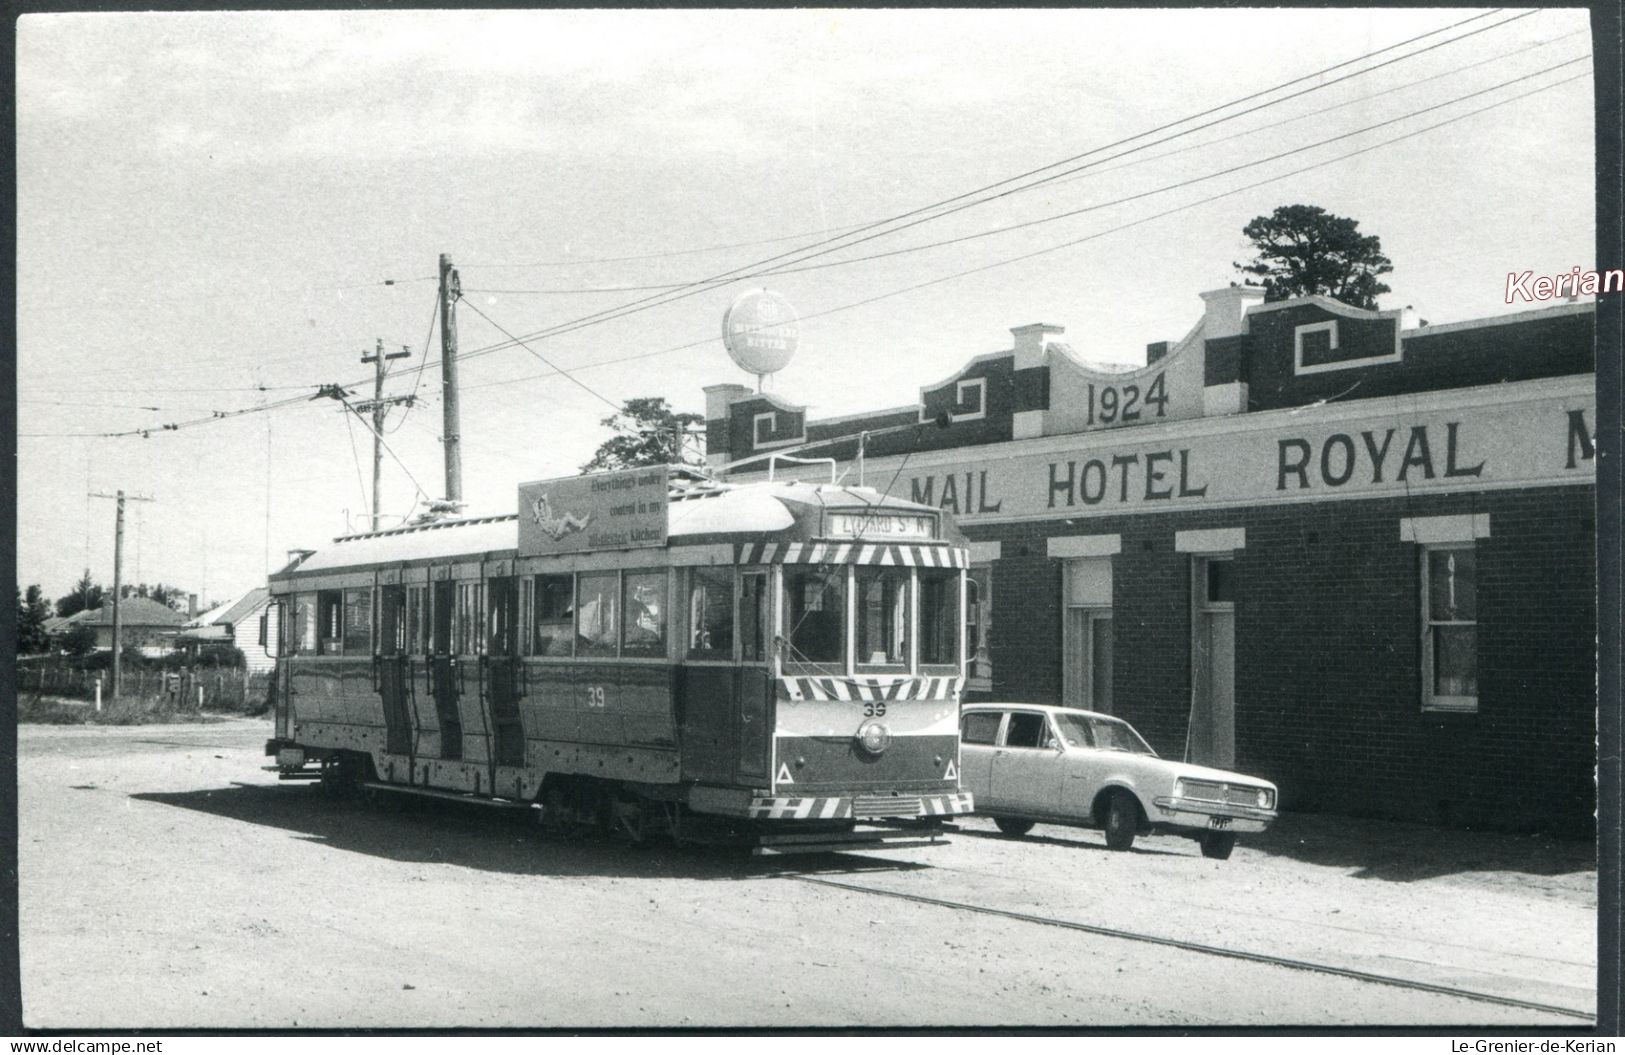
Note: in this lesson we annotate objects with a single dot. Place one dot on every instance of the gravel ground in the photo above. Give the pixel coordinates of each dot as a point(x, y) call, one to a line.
point(168, 882)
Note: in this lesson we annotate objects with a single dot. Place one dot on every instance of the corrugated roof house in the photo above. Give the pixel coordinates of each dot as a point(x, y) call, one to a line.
point(233, 624)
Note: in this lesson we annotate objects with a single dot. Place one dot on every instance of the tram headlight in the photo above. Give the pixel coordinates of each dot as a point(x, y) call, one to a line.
point(874, 737)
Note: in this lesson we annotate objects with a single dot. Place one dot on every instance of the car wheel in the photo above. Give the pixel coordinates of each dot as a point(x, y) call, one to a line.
point(1122, 820)
point(1218, 845)
point(1010, 827)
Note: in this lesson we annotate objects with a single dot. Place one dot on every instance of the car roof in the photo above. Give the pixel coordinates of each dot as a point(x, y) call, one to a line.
point(1047, 707)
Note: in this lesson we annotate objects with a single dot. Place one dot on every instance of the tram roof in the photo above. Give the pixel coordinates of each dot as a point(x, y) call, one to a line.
point(706, 511)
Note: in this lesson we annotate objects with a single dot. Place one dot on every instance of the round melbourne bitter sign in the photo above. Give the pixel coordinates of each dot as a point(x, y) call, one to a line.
point(760, 331)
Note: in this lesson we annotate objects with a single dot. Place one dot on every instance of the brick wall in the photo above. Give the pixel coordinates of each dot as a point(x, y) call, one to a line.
point(1328, 640)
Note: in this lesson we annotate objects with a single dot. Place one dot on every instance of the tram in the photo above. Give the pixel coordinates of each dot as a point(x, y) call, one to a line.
point(650, 652)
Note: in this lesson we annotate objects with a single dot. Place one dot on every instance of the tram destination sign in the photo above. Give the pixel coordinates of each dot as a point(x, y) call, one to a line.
point(604, 511)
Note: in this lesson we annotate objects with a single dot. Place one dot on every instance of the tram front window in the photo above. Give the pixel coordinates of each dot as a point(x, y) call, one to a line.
point(939, 617)
point(711, 613)
point(882, 618)
point(814, 602)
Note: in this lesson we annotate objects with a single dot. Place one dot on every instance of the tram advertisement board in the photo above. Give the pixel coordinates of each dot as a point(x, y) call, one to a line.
point(578, 514)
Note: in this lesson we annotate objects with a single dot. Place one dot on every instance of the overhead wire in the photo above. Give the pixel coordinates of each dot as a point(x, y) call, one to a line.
point(1073, 242)
point(1130, 164)
point(513, 340)
point(915, 215)
point(520, 341)
point(824, 247)
point(677, 293)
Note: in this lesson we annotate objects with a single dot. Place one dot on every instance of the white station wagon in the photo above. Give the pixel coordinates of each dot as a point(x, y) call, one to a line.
point(1029, 763)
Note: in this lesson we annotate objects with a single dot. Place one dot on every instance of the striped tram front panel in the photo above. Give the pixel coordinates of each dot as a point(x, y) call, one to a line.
point(900, 554)
point(828, 808)
point(925, 687)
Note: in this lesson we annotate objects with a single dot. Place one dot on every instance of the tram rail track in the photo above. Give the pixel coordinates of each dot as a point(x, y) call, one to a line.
point(1288, 962)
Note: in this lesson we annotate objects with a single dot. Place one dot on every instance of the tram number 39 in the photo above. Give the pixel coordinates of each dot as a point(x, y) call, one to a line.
point(874, 709)
point(1109, 404)
point(595, 696)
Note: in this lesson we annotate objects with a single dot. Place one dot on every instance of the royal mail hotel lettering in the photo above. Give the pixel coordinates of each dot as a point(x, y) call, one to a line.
point(1306, 541)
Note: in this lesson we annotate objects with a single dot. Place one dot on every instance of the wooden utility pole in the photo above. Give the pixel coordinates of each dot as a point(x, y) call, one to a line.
point(450, 290)
point(118, 580)
point(379, 406)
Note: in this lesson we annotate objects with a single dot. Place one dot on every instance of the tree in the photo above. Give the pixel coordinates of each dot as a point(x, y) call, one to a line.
point(32, 611)
point(85, 595)
point(80, 640)
point(1303, 250)
point(649, 435)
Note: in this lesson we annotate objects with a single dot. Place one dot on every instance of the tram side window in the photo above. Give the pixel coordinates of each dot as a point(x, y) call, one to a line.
point(711, 613)
point(414, 620)
point(553, 596)
point(939, 616)
point(597, 623)
point(303, 633)
point(815, 603)
point(883, 617)
point(470, 619)
point(329, 622)
point(644, 631)
point(358, 621)
point(753, 625)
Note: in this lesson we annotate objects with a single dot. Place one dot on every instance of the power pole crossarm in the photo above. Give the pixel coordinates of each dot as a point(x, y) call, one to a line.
point(379, 407)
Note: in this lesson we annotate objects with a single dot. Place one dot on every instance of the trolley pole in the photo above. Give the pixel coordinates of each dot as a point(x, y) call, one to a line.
point(378, 406)
point(118, 583)
point(450, 290)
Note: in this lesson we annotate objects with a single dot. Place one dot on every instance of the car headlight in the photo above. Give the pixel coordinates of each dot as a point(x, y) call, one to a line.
point(1266, 798)
point(1179, 788)
point(874, 737)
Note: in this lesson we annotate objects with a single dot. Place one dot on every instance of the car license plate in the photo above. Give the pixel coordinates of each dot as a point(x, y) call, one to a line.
point(1218, 822)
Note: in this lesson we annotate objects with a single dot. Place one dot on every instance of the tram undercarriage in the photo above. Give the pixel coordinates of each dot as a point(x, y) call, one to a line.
point(578, 806)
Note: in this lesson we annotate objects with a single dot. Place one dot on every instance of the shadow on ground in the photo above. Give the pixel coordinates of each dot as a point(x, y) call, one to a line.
point(1399, 852)
point(427, 831)
point(1079, 839)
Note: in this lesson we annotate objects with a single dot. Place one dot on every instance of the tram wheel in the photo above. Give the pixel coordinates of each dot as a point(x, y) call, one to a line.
point(1013, 827)
point(1217, 845)
point(341, 776)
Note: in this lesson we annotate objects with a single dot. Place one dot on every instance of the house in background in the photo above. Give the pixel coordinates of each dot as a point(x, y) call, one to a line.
point(235, 624)
point(145, 624)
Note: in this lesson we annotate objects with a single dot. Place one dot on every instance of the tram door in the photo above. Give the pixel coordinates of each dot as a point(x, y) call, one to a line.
point(392, 673)
point(443, 671)
point(503, 672)
point(1213, 663)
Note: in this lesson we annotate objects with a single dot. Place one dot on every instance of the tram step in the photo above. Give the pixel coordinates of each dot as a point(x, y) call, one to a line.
point(293, 774)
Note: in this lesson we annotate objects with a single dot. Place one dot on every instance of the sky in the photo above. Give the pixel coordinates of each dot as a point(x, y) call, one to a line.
point(219, 212)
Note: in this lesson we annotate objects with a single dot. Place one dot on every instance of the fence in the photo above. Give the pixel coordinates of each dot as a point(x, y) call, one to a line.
point(213, 689)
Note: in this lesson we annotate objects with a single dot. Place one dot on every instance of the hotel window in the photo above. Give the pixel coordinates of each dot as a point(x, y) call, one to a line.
point(1450, 628)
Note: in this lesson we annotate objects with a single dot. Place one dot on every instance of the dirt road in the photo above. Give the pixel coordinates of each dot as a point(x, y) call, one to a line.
point(168, 882)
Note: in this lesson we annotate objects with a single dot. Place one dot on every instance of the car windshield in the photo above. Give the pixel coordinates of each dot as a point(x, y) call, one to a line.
point(1105, 734)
